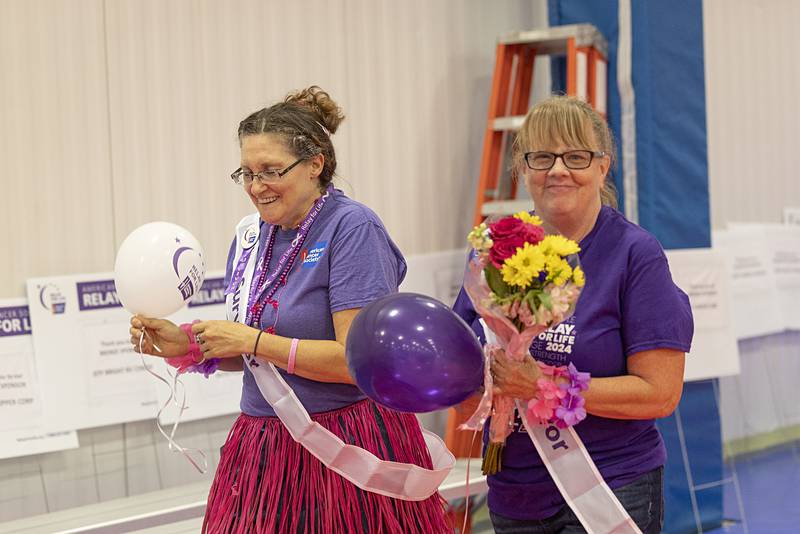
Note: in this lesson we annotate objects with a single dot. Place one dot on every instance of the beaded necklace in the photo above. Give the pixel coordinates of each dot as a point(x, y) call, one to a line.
point(278, 277)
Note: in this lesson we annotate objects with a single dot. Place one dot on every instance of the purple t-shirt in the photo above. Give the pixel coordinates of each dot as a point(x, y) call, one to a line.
point(629, 304)
point(347, 261)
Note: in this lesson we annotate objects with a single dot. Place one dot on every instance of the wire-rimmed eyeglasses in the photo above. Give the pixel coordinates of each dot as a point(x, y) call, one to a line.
point(246, 176)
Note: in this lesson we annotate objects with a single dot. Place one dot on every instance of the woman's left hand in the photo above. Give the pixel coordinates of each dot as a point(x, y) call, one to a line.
point(224, 339)
point(512, 378)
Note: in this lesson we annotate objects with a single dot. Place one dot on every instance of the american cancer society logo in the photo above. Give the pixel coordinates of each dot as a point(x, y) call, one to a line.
point(51, 299)
point(313, 254)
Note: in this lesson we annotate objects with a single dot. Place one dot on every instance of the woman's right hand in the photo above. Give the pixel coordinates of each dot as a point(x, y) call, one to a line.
point(160, 333)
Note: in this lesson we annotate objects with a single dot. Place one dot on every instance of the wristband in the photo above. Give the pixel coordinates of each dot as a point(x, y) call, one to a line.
point(194, 361)
point(194, 348)
point(292, 356)
point(255, 347)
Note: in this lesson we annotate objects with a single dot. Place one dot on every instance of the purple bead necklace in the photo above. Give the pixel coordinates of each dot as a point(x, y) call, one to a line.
point(257, 309)
point(278, 278)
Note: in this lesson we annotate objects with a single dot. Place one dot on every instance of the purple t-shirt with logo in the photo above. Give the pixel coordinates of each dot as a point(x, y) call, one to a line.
point(347, 261)
point(629, 304)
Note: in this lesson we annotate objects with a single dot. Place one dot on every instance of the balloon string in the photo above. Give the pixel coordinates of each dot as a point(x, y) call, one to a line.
point(173, 399)
point(466, 486)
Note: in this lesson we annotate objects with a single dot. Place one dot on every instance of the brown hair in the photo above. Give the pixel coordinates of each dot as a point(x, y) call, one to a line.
point(573, 122)
point(305, 120)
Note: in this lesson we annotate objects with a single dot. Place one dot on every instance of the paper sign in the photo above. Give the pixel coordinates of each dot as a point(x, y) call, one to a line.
point(782, 242)
point(89, 373)
point(755, 303)
point(703, 275)
point(21, 429)
point(791, 216)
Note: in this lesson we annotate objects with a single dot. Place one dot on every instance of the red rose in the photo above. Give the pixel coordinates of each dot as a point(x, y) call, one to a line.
point(505, 228)
point(503, 249)
point(508, 234)
point(532, 233)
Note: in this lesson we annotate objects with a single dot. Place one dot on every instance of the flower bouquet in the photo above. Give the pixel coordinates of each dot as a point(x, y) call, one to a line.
point(523, 282)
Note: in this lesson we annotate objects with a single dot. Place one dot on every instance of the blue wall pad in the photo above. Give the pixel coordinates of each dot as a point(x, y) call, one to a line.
point(672, 169)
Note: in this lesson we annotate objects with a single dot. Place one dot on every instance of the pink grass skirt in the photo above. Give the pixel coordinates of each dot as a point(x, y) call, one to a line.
point(268, 483)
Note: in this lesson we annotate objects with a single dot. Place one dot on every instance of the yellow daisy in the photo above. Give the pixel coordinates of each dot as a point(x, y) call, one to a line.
point(578, 277)
point(558, 270)
point(526, 217)
point(521, 268)
point(558, 244)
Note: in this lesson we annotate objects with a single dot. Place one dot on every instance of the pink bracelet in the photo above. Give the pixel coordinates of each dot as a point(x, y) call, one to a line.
point(292, 356)
point(192, 357)
point(194, 348)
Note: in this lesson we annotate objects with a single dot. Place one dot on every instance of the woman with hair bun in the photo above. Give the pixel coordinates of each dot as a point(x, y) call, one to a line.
point(318, 258)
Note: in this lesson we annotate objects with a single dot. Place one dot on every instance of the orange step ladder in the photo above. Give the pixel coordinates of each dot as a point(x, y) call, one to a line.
point(586, 51)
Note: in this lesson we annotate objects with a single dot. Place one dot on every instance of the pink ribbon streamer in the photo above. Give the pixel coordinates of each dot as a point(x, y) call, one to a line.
point(409, 482)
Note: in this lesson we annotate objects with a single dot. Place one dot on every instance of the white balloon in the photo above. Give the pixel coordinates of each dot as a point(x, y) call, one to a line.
point(159, 267)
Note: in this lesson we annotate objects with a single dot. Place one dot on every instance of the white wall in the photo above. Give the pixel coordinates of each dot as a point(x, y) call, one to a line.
point(752, 67)
point(752, 63)
point(118, 112)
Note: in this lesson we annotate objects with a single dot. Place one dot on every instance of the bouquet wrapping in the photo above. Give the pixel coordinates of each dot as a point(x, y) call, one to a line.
point(523, 282)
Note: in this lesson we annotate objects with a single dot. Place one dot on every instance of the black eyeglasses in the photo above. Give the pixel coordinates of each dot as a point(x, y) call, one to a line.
point(243, 176)
point(573, 159)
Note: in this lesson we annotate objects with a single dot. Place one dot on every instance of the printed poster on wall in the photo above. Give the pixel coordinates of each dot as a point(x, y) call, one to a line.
point(21, 429)
point(89, 374)
point(755, 302)
point(785, 243)
point(782, 242)
point(703, 275)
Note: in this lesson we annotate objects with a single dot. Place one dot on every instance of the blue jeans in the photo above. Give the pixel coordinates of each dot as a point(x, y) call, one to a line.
point(643, 499)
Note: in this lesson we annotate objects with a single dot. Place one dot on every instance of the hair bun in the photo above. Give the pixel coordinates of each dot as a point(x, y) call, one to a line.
point(327, 112)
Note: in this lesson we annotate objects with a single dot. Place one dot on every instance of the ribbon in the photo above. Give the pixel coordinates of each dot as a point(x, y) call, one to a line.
point(575, 474)
point(409, 482)
point(173, 399)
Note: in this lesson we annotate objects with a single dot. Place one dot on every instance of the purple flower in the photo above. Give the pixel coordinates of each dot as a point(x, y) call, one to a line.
point(569, 417)
point(571, 410)
point(208, 367)
point(578, 378)
point(573, 391)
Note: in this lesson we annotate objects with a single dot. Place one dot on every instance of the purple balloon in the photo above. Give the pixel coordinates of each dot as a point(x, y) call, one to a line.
point(411, 353)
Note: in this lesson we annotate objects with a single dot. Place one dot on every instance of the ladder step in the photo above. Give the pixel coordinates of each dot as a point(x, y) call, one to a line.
point(553, 41)
point(512, 124)
point(505, 207)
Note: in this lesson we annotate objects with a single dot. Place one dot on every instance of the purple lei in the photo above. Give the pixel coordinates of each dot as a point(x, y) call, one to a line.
point(571, 411)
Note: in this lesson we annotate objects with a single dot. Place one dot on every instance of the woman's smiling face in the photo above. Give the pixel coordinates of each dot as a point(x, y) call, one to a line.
point(286, 201)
